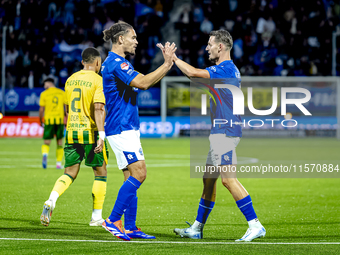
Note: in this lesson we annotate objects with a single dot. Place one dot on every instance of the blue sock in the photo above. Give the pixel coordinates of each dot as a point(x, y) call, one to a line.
point(125, 195)
point(130, 215)
point(246, 207)
point(204, 210)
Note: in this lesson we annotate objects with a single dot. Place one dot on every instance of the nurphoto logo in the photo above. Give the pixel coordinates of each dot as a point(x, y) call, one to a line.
point(238, 104)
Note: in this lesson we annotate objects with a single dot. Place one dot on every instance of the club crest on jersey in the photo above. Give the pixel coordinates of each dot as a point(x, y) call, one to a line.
point(124, 66)
point(130, 156)
point(226, 157)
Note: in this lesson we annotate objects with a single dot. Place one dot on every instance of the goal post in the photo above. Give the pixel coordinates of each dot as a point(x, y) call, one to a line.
point(331, 97)
point(164, 86)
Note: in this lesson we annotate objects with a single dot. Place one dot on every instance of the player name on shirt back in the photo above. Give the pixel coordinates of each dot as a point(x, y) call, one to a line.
point(79, 83)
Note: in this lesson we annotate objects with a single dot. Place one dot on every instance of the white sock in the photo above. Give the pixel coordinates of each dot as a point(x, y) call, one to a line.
point(97, 214)
point(255, 223)
point(198, 225)
point(54, 197)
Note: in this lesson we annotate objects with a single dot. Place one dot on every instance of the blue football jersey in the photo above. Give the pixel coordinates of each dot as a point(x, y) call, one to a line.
point(121, 99)
point(228, 73)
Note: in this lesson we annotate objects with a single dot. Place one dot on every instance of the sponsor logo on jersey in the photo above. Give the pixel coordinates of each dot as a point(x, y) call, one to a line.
point(215, 158)
point(118, 59)
point(124, 66)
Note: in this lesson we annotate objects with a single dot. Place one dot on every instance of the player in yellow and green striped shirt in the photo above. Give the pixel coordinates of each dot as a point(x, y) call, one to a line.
point(85, 135)
point(51, 114)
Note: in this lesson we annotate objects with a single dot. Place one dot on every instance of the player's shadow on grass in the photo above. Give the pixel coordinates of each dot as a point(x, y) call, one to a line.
point(60, 233)
point(162, 235)
point(306, 236)
point(38, 223)
point(282, 223)
point(171, 235)
point(304, 223)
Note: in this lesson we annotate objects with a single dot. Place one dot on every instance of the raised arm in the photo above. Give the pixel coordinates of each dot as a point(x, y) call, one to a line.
point(187, 69)
point(191, 71)
point(146, 81)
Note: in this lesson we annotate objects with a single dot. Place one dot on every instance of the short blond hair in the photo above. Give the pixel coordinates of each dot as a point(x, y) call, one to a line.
point(223, 36)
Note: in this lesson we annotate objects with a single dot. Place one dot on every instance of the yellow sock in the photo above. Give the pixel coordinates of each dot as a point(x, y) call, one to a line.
point(99, 191)
point(60, 153)
point(62, 184)
point(45, 149)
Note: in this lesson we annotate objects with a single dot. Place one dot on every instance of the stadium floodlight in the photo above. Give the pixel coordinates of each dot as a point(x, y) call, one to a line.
point(324, 103)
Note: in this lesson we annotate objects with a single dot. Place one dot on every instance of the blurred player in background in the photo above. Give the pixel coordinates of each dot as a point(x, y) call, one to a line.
point(51, 114)
point(121, 83)
point(223, 139)
point(84, 135)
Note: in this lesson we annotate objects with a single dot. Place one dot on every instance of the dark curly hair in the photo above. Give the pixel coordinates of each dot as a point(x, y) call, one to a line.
point(117, 29)
point(89, 55)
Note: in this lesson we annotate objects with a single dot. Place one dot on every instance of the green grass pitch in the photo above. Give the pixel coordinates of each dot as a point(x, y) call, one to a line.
point(301, 216)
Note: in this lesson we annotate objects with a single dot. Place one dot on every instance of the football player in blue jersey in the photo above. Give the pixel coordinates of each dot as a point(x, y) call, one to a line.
point(223, 139)
point(121, 84)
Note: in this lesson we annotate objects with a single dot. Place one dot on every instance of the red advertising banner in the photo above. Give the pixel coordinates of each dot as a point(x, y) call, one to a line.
point(20, 127)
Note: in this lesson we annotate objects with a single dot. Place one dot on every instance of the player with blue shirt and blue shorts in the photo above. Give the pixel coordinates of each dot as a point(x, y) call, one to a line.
point(121, 84)
point(223, 139)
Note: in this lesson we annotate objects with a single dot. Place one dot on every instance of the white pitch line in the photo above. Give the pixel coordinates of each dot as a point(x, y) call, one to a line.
point(111, 166)
point(156, 164)
point(157, 242)
point(186, 156)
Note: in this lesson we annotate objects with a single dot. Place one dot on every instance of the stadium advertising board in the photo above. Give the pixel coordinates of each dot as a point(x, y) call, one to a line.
point(20, 127)
point(28, 99)
point(149, 98)
point(22, 99)
point(153, 127)
point(149, 126)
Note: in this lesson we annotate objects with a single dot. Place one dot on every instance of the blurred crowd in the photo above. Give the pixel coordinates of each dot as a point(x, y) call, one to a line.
point(45, 38)
point(271, 37)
